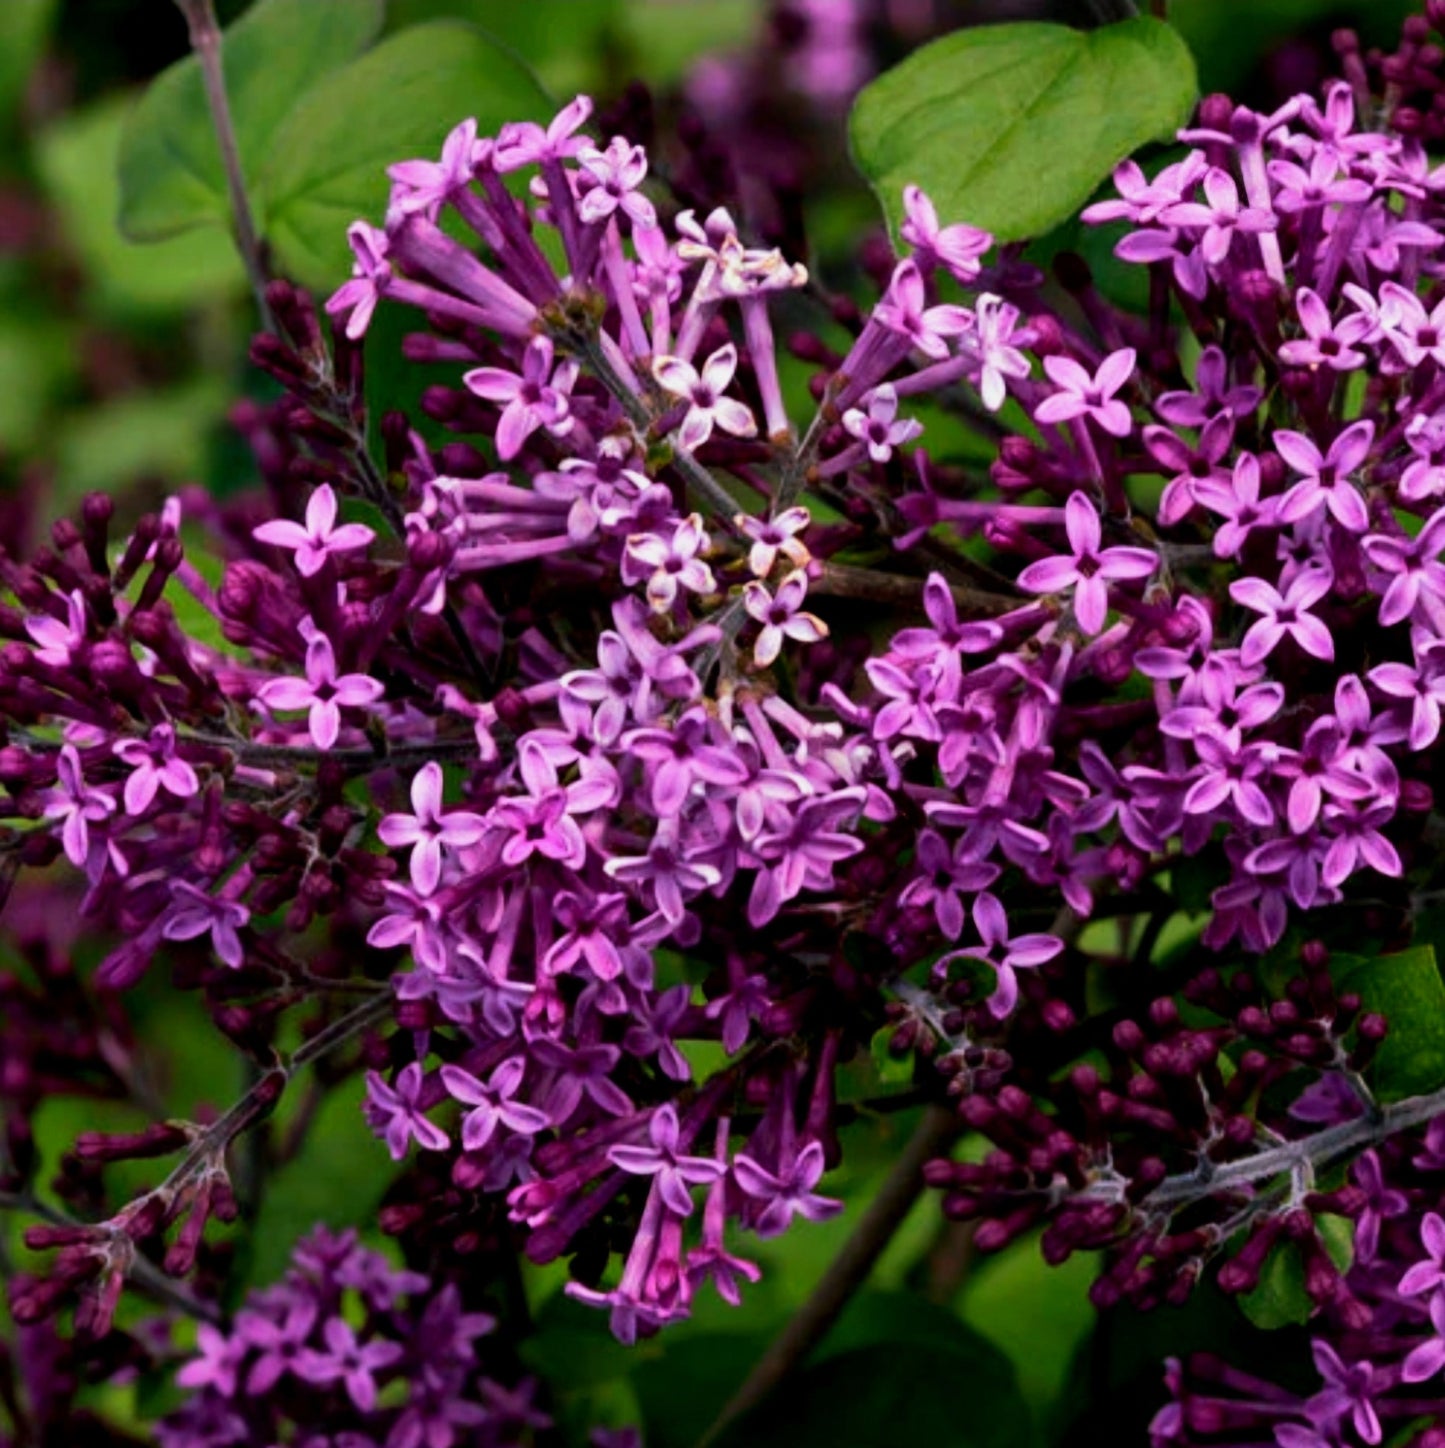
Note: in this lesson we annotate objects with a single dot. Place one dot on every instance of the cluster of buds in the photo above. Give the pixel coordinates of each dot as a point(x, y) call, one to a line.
point(1201, 1136)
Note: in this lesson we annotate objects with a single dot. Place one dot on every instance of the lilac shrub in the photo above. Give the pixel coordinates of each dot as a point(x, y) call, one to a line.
point(687, 716)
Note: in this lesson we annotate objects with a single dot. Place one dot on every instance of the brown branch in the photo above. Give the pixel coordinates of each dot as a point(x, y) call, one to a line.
point(205, 33)
point(847, 1272)
point(840, 580)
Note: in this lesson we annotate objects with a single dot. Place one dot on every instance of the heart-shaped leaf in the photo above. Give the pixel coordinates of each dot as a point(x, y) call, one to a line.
point(1012, 127)
point(328, 163)
point(171, 177)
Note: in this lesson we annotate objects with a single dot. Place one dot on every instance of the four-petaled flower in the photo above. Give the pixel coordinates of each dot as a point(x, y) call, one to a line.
point(788, 1191)
point(76, 804)
point(1325, 477)
point(537, 396)
point(427, 830)
point(1081, 395)
point(60, 642)
point(616, 172)
point(319, 538)
point(348, 1361)
point(669, 564)
point(676, 1172)
point(400, 1114)
point(879, 428)
point(780, 616)
point(1089, 571)
point(492, 1103)
point(155, 765)
point(1002, 954)
point(1284, 614)
point(322, 693)
point(193, 913)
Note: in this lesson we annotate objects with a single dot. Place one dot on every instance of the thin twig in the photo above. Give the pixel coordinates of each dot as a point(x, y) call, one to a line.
point(706, 488)
point(212, 1143)
point(253, 752)
point(839, 580)
point(205, 33)
point(1314, 1151)
point(848, 1270)
point(142, 1270)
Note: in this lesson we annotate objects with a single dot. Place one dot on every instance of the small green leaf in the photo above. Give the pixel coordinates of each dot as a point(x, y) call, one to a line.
point(1012, 127)
point(571, 44)
point(1038, 1314)
point(891, 1068)
point(171, 177)
point(1280, 1300)
point(1407, 990)
point(327, 166)
point(76, 158)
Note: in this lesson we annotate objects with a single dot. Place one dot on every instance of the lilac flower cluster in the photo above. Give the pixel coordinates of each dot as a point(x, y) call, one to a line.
point(580, 727)
point(347, 1350)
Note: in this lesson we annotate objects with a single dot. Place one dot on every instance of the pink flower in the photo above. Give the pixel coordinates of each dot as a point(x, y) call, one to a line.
point(155, 765)
point(400, 1113)
point(535, 397)
point(902, 311)
point(523, 143)
point(59, 641)
point(676, 1173)
point(958, 247)
point(879, 428)
point(669, 564)
point(778, 613)
point(707, 406)
point(1089, 570)
point(76, 805)
point(788, 1192)
point(1284, 614)
point(370, 274)
point(1081, 395)
point(322, 693)
point(314, 543)
point(427, 830)
point(492, 1104)
point(616, 173)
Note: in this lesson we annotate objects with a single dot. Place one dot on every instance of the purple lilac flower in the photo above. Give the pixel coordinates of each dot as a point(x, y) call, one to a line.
point(1089, 570)
point(319, 538)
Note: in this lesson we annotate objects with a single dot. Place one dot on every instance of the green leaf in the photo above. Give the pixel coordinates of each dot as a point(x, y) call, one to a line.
point(955, 1388)
point(664, 39)
point(160, 434)
point(76, 159)
point(328, 162)
point(569, 43)
point(37, 359)
point(1407, 990)
point(891, 1068)
point(1280, 1300)
point(1038, 1315)
point(1231, 38)
point(171, 176)
point(1012, 127)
